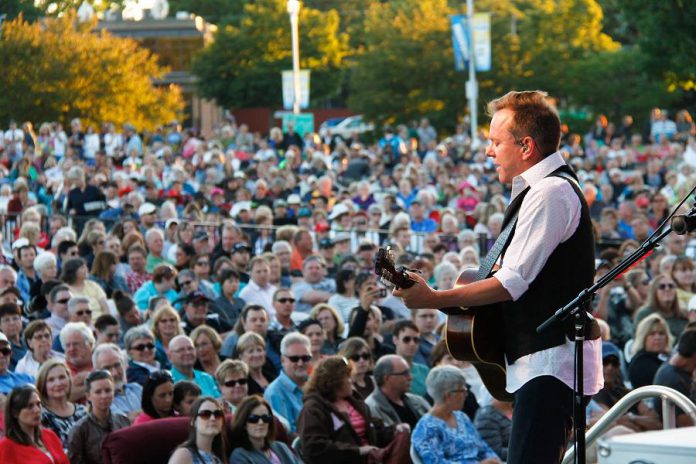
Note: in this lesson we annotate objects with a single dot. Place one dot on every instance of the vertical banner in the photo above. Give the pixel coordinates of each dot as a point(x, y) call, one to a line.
point(460, 41)
point(289, 89)
point(481, 29)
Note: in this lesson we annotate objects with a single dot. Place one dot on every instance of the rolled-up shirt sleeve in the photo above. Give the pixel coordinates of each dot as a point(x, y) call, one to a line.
point(548, 216)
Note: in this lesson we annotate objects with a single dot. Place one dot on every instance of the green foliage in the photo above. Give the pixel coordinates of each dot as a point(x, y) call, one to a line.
point(58, 70)
point(242, 68)
point(13, 8)
point(213, 11)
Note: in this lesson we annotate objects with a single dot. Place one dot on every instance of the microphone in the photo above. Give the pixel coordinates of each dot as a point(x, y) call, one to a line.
point(683, 224)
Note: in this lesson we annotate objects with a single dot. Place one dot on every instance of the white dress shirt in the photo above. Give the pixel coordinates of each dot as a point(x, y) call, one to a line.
point(549, 215)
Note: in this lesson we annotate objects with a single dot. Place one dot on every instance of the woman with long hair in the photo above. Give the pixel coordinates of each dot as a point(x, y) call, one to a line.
point(662, 299)
point(315, 332)
point(650, 349)
point(356, 350)
point(59, 414)
point(685, 277)
point(166, 324)
point(344, 299)
point(104, 273)
point(26, 442)
point(206, 440)
point(207, 343)
point(333, 326)
point(158, 397)
point(74, 273)
point(253, 435)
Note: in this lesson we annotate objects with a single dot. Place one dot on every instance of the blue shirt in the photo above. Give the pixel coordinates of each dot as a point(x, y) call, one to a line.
point(285, 397)
point(24, 284)
point(438, 443)
point(202, 379)
point(146, 291)
point(425, 225)
point(128, 401)
point(10, 380)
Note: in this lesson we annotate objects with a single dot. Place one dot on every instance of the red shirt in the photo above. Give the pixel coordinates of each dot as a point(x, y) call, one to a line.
point(12, 452)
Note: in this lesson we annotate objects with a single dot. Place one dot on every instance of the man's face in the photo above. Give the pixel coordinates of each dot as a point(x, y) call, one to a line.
point(505, 151)
point(78, 351)
point(110, 361)
point(59, 307)
point(400, 378)
point(137, 262)
point(7, 279)
point(69, 253)
point(260, 274)
point(296, 362)
point(417, 211)
point(82, 314)
point(313, 272)
point(182, 354)
point(11, 325)
point(26, 257)
point(406, 343)
point(196, 312)
point(155, 244)
point(257, 321)
point(5, 357)
point(426, 320)
point(403, 238)
point(284, 304)
point(111, 334)
point(241, 259)
point(284, 256)
point(229, 238)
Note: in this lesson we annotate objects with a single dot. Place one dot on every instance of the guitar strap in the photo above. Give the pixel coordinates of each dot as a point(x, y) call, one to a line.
point(500, 245)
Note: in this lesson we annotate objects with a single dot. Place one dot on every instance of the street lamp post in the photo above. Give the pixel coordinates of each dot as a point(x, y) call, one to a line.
point(294, 12)
point(471, 85)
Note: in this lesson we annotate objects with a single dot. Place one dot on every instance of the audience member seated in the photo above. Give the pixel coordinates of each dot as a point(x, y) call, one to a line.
point(107, 329)
point(39, 339)
point(253, 434)
point(87, 436)
point(158, 397)
point(139, 343)
point(127, 396)
point(9, 379)
point(229, 305)
point(74, 273)
point(78, 341)
point(166, 324)
point(232, 378)
point(312, 329)
point(494, 423)
point(650, 349)
point(162, 284)
point(26, 442)
point(366, 319)
point(259, 291)
point(333, 326)
point(641, 417)
point(445, 433)
point(678, 374)
point(251, 349)
point(285, 393)
point(128, 313)
point(59, 414)
point(440, 356)
point(335, 424)
point(182, 355)
point(254, 318)
point(207, 343)
point(186, 393)
point(426, 320)
point(662, 299)
point(206, 441)
point(356, 350)
point(344, 299)
point(11, 326)
point(196, 314)
point(391, 401)
point(406, 340)
point(315, 287)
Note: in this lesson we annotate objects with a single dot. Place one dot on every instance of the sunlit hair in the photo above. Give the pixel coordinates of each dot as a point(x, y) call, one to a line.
point(674, 308)
point(238, 429)
point(219, 447)
point(328, 377)
point(647, 325)
point(42, 377)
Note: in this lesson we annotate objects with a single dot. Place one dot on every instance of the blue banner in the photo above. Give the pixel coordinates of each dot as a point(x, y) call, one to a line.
point(460, 41)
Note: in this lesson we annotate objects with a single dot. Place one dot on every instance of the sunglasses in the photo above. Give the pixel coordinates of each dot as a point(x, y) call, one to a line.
point(295, 359)
point(286, 300)
point(234, 383)
point(666, 286)
point(6, 351)
point(408, 339)
point(202, 263)
point(83, 312)
point(146, 346)
point(64, 301)
point(184, 284)
point(358, 357)
point(207, 414)
point(406, 373)
point(255, 418)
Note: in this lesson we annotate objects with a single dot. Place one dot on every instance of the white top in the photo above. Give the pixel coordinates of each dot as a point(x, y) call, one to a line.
point(253, 294)
point(548, 216)
point(29, 365)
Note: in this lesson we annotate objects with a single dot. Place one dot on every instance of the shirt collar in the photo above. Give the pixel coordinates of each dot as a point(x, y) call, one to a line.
point(537, 172)
point(285, 378)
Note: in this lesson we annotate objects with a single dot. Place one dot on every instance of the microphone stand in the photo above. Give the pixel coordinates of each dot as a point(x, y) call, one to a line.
point(579, 307)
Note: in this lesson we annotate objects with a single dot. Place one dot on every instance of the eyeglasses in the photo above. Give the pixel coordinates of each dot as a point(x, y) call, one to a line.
point(406, 373)
point(143, 347)
point(234, 383)
point(408, 339)
point(255, 418)
point(666, 286)
point(202, 263)
point(207, 414)
point(358, 357)
point(63, 301)
point(83, 312)
point(285, 300)
point(295, 359)
point(42, 336)
point(184, 284)
point(6, 350)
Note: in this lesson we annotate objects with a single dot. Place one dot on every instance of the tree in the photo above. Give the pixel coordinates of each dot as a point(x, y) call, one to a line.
point(242, 67)
point(214, 11)
point(60, 69)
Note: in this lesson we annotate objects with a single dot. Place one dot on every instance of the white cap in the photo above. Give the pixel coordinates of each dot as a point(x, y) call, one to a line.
point(170, 222)
point(338, 210)
point(238, 207)
point(294, 199)
point(146, 208)
point(19, 243)
point(3, 338)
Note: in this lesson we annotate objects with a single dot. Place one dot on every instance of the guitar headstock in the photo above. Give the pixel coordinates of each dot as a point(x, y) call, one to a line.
point(385, 269)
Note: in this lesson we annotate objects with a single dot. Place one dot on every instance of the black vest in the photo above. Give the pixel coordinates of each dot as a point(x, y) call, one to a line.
point(569, 270)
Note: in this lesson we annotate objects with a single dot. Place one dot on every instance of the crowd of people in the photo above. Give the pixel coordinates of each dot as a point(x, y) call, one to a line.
point(230, 279)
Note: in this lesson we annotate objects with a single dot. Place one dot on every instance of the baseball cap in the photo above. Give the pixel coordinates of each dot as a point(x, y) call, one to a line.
point(338, 210)
point(341, 237)
point(294, 199)
point(170, 222)
point(326, 243)
point(13, 290)
point(3, 338)
point(278, 203)
point(241, 246)
point(146, 208)
point(196, 296)
point(200, 235)
point(239, 175)
point(304, 212)
point(609, 349)
point(20, 243)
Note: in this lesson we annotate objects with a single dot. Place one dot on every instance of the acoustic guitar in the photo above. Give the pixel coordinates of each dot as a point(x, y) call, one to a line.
point(471, 334)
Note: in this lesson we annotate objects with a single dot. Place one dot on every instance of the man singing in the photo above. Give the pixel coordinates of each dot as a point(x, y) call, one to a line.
point(549, 260)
